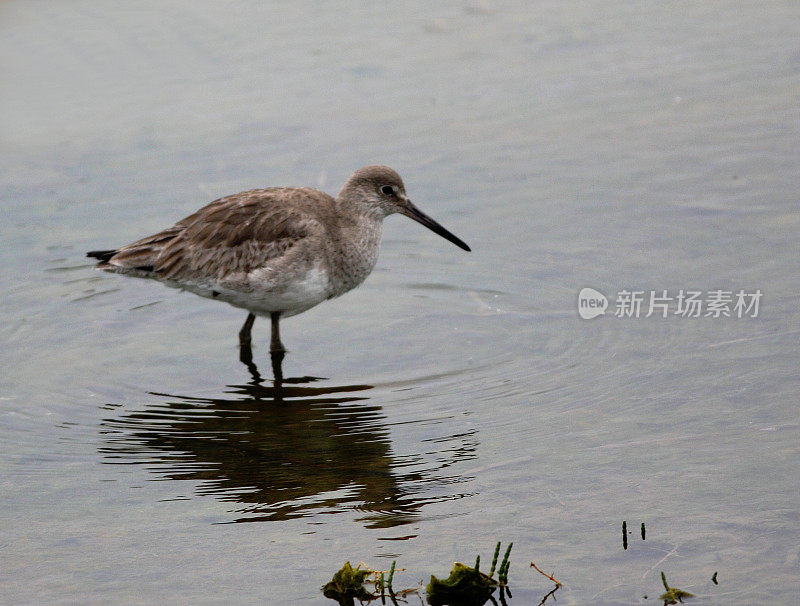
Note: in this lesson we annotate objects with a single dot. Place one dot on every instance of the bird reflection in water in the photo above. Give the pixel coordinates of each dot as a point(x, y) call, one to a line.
point(287, 450)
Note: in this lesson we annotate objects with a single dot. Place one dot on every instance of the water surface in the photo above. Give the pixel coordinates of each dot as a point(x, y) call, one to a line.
point(461, 400)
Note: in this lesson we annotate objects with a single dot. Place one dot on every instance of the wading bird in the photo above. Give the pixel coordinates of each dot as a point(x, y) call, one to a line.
point(275, 252)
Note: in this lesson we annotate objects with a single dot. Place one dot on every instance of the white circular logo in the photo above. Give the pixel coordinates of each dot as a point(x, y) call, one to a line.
point(591, 303)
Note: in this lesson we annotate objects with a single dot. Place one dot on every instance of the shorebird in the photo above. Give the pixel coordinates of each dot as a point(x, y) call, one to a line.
point(274, 252)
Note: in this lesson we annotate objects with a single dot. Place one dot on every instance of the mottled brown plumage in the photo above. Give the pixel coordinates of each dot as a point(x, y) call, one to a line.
point(276, 251)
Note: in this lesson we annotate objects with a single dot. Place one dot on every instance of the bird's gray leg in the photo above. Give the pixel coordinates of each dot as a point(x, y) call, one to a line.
point(246, 357)
point(276, 349)
point(275, 345)
point(245, 351)
point(244, 334)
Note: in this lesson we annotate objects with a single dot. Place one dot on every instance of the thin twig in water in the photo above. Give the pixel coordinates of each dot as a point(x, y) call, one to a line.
point(549, 576)
point(545, 598)
point(404, 592)
point(552, 578)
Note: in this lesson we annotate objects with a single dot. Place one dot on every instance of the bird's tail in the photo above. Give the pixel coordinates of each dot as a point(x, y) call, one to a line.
point(102, 255)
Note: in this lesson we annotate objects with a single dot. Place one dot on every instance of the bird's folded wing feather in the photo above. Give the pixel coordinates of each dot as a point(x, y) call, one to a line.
point(231, 235)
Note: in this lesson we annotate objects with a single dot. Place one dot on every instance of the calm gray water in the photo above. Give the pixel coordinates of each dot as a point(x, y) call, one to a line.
point(611, 145)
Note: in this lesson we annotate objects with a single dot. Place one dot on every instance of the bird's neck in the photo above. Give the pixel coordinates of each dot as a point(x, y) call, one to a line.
point(358, 250)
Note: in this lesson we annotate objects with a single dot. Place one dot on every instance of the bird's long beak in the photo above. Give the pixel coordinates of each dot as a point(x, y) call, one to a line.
point(411, 211)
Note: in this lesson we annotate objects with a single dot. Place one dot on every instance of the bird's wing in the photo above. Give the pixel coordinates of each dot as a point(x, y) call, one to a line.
point(230, 236)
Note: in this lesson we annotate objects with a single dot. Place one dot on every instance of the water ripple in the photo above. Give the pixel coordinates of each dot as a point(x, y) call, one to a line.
point(288, 452)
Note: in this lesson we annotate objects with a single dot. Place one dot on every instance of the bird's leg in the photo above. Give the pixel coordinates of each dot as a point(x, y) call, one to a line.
point(277, 365)
point(244, 334)
point(276, 349)
point(246, 357)
point(275, 345)
point(245, 351)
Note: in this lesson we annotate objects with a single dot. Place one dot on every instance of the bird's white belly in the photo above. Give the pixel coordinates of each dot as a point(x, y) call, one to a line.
point(262, 296)
point(292, 297)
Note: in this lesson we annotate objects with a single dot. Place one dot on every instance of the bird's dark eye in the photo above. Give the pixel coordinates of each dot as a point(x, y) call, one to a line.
point(387, 190)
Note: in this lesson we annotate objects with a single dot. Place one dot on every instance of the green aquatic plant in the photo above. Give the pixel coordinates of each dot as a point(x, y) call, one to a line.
point(348, 583)
point(465, 585)
point(673, 595)
point(502, 573)
point(391, 576)
point(469, 586)
point(494, 559)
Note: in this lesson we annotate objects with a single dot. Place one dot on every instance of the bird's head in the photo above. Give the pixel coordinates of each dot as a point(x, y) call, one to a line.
point(380, 192)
